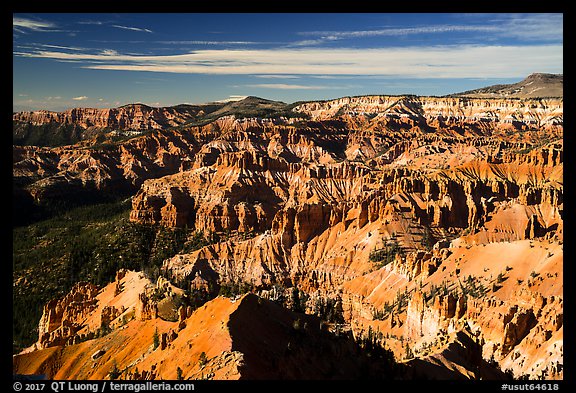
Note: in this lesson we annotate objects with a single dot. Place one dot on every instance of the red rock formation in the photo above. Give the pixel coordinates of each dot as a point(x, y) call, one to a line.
point(128, 117)
point(146, 308)
point(426, 322)
point(306, 204)
point(59, 322)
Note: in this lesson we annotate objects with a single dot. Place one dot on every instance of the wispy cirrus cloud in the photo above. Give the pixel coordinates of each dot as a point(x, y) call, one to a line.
point(314, 42)
point(457, 61)
point(131, 28)
point(205, 42)
point(333, 35)
point(81, 98)
point(232, 98)
point(70, 48)
point(535, 27)
point(109, 52)
point(22, 25)
point(330, 36)
point(57, 103)
point(91, 22)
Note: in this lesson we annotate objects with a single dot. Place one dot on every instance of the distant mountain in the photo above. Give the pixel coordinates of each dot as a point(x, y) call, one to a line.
point(47, 128)
point(250, 107)
point(534, 86)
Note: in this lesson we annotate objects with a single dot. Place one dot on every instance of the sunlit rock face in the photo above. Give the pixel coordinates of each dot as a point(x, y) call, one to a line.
point(435, 223)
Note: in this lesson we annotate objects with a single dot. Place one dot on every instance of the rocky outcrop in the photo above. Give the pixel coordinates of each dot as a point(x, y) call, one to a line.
point(436, 223)
point(246, 338)
point(108, 314)
point(523, 337)
point(146, 308)
point(445, 111)
point(129, 117)
point(61, 317)
point(516, 329)
point(535, 85)
point(426, 322)
point(129, 163)
point(88, 311)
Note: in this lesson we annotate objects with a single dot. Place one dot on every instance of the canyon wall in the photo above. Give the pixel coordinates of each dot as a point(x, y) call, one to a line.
point(435, 224)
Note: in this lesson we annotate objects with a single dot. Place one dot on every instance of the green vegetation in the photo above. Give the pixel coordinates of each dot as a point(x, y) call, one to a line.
point(49, 134)
point(428, 239)
point(437, 290)
point(114, 372)
point(248, 107)
point(156, 339)
point(203, 359)
point(233, 289)
point(107, 141)
point(401, 300)
point(329, 310)
point(103, 330)
point(385, 255)
point(408, 354)
point(25, 211)
point(373, 346)
point(88, 243)
point(298, 300)
point(473, 287)
point(397, 306)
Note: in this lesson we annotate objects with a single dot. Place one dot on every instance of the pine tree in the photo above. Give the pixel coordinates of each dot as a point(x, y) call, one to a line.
point(156, 339)
point(203, 359)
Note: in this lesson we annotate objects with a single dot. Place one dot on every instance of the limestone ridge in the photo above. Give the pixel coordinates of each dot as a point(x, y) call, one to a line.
point(376, 127)
point(534, 86)
point(127, 117)
point(433, 224)
point(48, 128)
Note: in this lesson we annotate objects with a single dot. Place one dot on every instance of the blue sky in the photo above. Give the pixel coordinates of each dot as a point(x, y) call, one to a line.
point(69, 60)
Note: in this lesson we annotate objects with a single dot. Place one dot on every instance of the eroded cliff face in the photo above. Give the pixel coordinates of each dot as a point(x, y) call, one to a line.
point(247, 337)
point(436, 224)
point(88, 311)
point(136, 117)
point(538, 112)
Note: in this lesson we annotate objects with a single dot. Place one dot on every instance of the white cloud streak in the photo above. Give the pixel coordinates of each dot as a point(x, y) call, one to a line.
point(464, 61)
point(23, 24)
point(232, 98)
point(109, 52)
point(132, 28)
point(72, 48)
point(535, 27)
point(81, 98)
point(333, 35)
point(200, 42)
point(91, 22)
